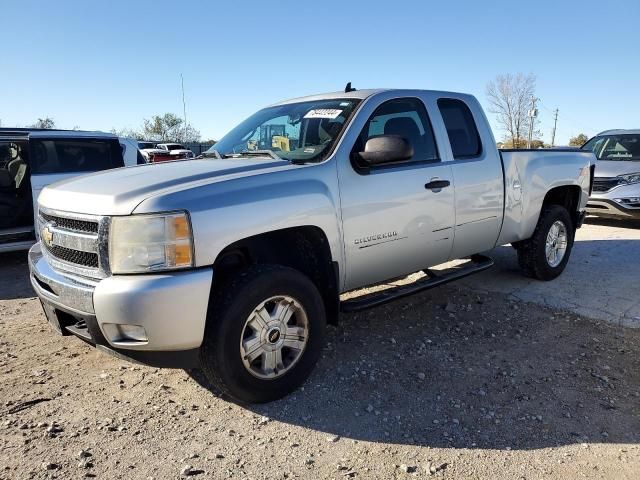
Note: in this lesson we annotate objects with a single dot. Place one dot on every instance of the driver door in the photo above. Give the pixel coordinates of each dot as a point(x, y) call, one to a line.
point(393, 223)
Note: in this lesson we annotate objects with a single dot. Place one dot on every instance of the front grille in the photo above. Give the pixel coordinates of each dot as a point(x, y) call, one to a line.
point(77, 257)
point(71, 223)
point(604, 184)
point(71, 242)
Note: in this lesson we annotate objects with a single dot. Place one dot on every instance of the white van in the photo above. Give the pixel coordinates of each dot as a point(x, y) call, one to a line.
point(31, 159)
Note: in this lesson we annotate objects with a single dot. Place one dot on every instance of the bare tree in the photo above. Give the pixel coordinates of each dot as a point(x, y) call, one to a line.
point(510, 100)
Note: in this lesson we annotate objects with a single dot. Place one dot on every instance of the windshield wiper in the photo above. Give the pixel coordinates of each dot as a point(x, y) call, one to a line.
point(260, 153)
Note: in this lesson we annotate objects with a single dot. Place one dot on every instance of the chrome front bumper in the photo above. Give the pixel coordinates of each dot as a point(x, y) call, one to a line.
point(73, 293)
point(171, 308)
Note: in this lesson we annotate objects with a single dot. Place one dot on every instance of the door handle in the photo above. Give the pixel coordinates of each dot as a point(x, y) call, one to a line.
point(437, 184)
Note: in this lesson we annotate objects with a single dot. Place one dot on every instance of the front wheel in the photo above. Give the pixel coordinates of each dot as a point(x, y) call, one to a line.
point(264, 333)
point(545, 255)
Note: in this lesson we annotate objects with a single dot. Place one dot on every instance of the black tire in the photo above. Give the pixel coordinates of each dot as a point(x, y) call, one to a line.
point(220, 354)
point(531, 253)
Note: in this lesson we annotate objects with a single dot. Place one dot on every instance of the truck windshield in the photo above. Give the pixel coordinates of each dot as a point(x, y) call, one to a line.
point(615, 147)
point(298, 132)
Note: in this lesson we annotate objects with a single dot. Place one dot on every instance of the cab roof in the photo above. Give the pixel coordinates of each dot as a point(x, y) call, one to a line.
point(363, 94)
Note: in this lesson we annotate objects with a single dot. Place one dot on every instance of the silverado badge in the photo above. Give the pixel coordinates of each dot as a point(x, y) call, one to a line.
point(47, 235)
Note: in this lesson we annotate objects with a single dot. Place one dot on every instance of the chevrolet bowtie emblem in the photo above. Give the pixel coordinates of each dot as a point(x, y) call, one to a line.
point(47, 235)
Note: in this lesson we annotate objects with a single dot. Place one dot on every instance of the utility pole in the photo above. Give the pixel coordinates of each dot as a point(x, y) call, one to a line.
point(555, 124)
point(532, 114)
point(184, 108)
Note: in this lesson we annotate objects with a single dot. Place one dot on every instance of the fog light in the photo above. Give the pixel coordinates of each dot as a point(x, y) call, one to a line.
point(117, 332)
point(630, 201)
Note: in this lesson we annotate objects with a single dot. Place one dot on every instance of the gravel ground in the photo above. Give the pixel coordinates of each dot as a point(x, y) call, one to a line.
point(598, 282)
point(450, 383)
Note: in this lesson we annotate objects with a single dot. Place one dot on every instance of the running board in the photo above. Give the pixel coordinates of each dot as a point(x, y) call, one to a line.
point(476, 264)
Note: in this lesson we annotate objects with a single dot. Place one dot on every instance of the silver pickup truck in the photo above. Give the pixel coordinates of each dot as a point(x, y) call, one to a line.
point(234, 263)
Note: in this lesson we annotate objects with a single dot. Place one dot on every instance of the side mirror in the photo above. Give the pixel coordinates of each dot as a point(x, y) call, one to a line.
point(386, 149)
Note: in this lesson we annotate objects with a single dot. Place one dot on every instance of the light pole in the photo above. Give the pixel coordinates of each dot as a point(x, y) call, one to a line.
point(532, 114)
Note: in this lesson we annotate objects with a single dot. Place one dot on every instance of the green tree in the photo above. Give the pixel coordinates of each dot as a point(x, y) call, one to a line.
point(578, 140)
point(522, 143)
point(128, 133)
point(169, 128)
point(46, 122)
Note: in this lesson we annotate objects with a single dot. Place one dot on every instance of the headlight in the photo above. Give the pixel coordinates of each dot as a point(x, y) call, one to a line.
point(630, 177)
point(147, 243)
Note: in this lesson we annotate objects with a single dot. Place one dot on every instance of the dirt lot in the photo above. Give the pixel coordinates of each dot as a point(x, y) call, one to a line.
point(451, 383)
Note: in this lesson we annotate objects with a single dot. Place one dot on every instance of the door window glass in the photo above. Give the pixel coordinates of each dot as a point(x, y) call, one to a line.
point(407, 118)
point(461, 128)
point(13, 164)
point(68, 156)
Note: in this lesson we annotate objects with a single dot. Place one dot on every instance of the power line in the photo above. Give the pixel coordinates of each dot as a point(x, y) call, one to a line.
point(571, 119)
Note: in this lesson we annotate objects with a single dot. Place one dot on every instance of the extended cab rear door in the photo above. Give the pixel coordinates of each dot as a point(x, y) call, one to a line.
point(477, 173)
point(57, 158)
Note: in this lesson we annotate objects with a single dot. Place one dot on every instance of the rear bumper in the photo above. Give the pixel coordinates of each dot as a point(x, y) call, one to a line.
point(170, 309)
point(603, 207)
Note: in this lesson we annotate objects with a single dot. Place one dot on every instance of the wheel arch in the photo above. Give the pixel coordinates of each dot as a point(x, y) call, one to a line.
point(567, 196)
point(304, 248)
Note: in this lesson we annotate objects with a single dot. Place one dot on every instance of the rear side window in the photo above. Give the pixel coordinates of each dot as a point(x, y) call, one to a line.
point(71, 155)
point(461, 128)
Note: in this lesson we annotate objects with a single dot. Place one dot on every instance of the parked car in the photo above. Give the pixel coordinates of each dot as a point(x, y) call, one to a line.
point(31, 159)
point(154, 153)
point(148, 149)
point(234, 263)
point(176, 149)
point(616, 185)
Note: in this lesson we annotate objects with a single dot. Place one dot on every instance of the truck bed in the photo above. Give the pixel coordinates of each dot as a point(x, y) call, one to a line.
point(544, 169)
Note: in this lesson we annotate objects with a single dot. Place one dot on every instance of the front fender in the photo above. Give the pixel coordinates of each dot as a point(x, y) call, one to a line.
point(225, 212)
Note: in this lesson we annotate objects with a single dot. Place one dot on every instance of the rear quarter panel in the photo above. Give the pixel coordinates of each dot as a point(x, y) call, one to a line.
point(537, 172)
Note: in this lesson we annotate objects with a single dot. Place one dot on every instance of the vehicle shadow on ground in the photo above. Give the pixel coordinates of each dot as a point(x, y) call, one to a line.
point(484, 372)
point(14, 276)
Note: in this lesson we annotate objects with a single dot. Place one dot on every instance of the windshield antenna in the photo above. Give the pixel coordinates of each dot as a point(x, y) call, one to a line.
point(349, 88)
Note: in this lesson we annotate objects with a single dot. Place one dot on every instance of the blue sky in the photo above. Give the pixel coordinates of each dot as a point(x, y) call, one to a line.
point(99, 65)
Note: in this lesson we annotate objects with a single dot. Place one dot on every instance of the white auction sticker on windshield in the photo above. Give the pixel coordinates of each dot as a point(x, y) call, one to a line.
point(331, 113)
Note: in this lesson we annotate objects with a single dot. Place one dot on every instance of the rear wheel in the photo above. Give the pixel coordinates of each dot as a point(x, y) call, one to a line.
point(545, 255)
point(264, 333)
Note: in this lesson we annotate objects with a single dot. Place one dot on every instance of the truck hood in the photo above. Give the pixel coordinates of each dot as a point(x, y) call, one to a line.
point(613, 168)
point(120, 191)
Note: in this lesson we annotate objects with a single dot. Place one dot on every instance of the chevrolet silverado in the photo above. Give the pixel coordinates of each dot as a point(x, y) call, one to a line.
point(234, 263)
